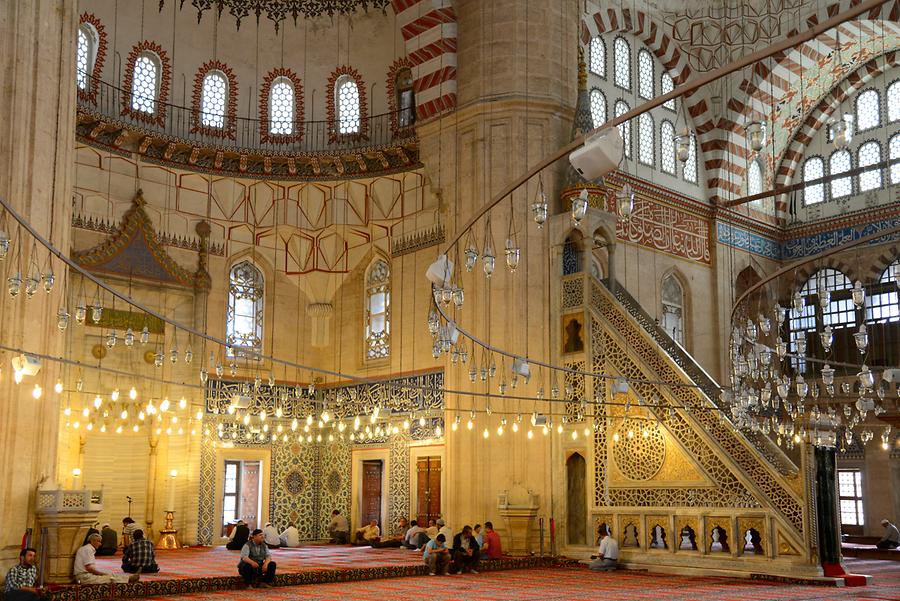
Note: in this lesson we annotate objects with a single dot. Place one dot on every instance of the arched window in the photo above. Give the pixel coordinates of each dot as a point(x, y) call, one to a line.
point(645, 74)
point(840, 162)
point(346, 99)
point(378, 310)
point(244, 320)
point(672, 316)
point(598, 107)
point(667, 147)
point(893, 102)
point(622, 56)
point(868, 110)
point(646, 150)
point(883, 303)
point(281, 107)
point(754, 178)
point(212, 100)
point(406, 99)
point(597, 58)
point(690, 165)
point(85, 55)
point(838, 313)
point(666, 85)
point(624, 128)
point(813, 169)
point(894, 154)
point(145, 81)
point(571, 257)
point(869, 154)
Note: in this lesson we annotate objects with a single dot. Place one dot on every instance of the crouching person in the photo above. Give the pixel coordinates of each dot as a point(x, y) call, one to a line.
point(437, 556)
point(256, 566)
point(139, 556)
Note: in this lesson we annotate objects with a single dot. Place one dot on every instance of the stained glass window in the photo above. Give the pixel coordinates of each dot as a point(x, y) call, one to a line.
point(813, 169)
point(869, 154)
point(868, 110)
point(145, 83)
point(667, 147)
point(645, 74)
point(672, 320)
point(646, 129)
point(213, 97)
point(893, 102)
point(281, 107)
point(378, 310)
point(754, 178)
point(347, 102)
point(597, 57)
point(666, 85)
point(85, 54)
point(244, 321)
point(622, 56)
point(598, 107)
point(840, 162)
point(690, 165)
point(624, 128)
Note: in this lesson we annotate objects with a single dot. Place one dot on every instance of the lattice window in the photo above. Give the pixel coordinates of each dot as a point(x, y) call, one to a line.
point(214, 95)
point(85, 55)
point(624, 128)
point(281, 107)
point(622, 56)
point(754, 178)
point(869, 154)
point(571, 259)
point(667, 147)
point(840, 312)
point(598, 107)
point(672, 320)
point(883, 303)
point(840, 162)
point(666, 85)
point(813, 169)
point(893, 102)
point(690, 165)
point(646, 129)
point(646, 76)
point(378, 310)
point(145, 83)
point(597, 57)
point(346, 94)
point(894, 155)
point(868, 110)
point(246, 299)
point(850, 493)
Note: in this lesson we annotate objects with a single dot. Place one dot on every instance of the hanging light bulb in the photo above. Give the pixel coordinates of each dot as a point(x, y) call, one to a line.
point(866, 378)
point(48, 280)
point(861, 338)
point(471, 256)
point(31, 284)
point(827, 337)
point(625, 202)
point(512, 255)
point(80, 314)
point(37, 391)
point(145, 335)
point(62, 319)
point(189, 355)
point(114, 396)
point(158, 359)
point(798, 302)
point(132, 394)
point(173, 354)
point(97, 402)
point(579, 206)
point(96, 311)
point(164, 406)
point(827, 375)
point(756, 135)
point(111, 339)
point(683, 146)
point(58, 387)
point(842, 132)
point(488, 260)
point(14, 284)
point(858, 294)
point(539, 209)
point(4, 244)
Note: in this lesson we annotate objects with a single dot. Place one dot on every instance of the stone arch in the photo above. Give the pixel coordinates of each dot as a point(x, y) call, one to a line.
point(890, 254)
point(576, 500)
point(675, 273)
point(804, 272)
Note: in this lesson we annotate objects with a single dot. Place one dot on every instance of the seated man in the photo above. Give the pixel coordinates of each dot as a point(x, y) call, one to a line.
point(128, 528)
point(273, 540)
point(437, 556)
point(891, 538)
point(368, 534)
point(291, 536)
point(397, 536)
point(20, 579)
point(411, 540)
point(444, 529)
point(465, 552)
point(492, 549)
point(139, 556)
point(239, 536)
point(109, 541)
point(85, 569)
point(256, 562)
point(339, 529)
point(608, 554)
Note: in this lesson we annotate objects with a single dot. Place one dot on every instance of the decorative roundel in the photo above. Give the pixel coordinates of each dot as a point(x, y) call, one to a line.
point(294, 483)
point(333, 482)
point(641, 455)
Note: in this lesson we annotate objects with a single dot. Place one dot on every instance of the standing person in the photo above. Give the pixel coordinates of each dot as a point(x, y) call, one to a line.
point(109, 541)
point(256, 561)
point(273, 540)
point(21, 578)
point(291, 536)
point(465, 552)
point(239, 536)
point(411, 540)
point(339, 529)
point(492, 549)
point(85, 569)
point(140, 555)
point(437, 556)
point(891, 538)
point(608, 554)
point(128, 528)
point(368, 534)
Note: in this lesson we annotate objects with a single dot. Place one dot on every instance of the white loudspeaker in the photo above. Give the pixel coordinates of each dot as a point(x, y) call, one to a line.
point(27, 365)
point(440, 271)
point(521, 367)
point(600, 154)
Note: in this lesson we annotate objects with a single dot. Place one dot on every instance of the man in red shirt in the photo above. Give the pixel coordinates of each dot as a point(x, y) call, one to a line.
point(492, 549)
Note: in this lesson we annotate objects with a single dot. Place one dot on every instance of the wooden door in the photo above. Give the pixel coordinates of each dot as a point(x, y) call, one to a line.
point(371, 492)
point(428, 490)
point(250, 494)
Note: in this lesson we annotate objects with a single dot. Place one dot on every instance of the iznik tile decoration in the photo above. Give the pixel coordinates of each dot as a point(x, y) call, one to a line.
point(334, 482)
point(294, 486)
point(398, 503)
point(743, 239)
point(811, 245)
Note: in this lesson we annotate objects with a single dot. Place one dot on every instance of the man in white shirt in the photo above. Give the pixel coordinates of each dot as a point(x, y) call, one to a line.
point(411, 540)
point(85, 569)
point(891, 538)
point(444, 529)
point(368, 534)
point(273, 540)
point(608, 554)
point(291, 536)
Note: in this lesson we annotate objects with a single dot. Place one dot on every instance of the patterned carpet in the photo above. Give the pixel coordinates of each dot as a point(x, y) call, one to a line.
point(578, 584)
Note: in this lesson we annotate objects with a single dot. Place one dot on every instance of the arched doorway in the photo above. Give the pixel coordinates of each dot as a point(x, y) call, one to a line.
point(576, 505)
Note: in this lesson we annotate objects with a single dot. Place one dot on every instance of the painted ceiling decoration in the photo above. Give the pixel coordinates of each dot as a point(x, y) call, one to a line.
point(278, 10)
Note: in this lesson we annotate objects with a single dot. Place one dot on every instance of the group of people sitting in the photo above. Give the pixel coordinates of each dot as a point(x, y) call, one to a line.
point(241, 533)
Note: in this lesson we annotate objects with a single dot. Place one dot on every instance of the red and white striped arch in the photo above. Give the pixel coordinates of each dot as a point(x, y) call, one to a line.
point(430, 31)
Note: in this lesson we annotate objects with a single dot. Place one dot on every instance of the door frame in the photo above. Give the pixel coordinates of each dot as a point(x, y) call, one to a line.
point(264, 457)
point(356, 472)
point(425, 450)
